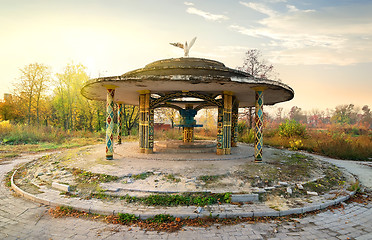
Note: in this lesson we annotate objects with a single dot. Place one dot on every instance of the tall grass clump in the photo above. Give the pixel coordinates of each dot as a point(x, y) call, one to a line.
point(341, 145)
point(25, 134)
point(245, 134)
point(342, 142)
point(170, 134)
point(13, 134)
point(205, 133)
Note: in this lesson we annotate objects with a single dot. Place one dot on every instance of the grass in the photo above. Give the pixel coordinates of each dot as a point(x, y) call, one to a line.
point(341, 142)
point(172, 178)
point(20, 139)
point(89, 177)
point(142, 176)
point(186, 199)
point(333, 178)
point(169, 200)
point(125, 218)
point(208, 179)
point(177, 134)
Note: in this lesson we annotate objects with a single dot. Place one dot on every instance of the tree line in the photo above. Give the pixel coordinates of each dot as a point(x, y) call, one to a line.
point(41, 98)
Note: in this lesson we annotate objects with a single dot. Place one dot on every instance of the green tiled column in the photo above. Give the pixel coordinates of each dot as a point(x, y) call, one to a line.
point(110, 122)
point(119, 124)
point(227, 117)
point(220, 150)
point(258, 145)
point(234, 123)
point(150, 146)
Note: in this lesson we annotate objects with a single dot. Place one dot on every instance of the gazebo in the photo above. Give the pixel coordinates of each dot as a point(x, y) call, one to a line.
point(188, 85)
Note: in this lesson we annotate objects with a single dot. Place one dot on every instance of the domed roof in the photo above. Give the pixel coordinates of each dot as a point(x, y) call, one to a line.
point(205, 76)
point(185, 66)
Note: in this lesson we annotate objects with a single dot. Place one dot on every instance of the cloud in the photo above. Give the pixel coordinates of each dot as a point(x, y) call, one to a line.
point(188, 3)
point(334, 35)
point(277, 1)
point(206, 15)
point(259, 8)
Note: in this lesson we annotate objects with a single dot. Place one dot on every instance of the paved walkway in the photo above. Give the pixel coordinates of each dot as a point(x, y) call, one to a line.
point(21, 219)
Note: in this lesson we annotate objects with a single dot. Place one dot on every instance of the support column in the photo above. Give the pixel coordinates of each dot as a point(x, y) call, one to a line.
point(150, 146)
point(141, 127)
point(227, 114)
point(188, 121)
point(188, 134)
point(220, 150)
point(234, 123)
point(119, 124)
point(258, 124)
point(110, 122)
point(146, 123)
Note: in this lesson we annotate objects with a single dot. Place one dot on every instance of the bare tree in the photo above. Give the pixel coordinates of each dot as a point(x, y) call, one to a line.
point(255, 65)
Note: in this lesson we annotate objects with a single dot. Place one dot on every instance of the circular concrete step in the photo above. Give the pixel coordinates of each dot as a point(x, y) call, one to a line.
point(178, 146)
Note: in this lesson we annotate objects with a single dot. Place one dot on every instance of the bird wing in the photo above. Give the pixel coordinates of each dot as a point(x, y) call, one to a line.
point(180, 45)
point(191, 43)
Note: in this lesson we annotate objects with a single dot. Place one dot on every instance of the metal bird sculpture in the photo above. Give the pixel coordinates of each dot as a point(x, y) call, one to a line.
point(186, 47)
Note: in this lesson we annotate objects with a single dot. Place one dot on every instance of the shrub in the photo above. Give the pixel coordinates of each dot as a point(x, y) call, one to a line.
point(25, 134)
point(127, 217)
point(292, 129)
point(245, 134)
point(343, 146)
point(5, 128)
point(248, 136)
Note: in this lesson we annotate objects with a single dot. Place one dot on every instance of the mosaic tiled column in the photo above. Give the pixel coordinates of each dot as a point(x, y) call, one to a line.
point(258, 124)
point(119, 122)
point(150, 146)
point(146, 123)
point(234, 123)
point(110, 122)
point(141, 104)
point(220, 150)
point(227, 116)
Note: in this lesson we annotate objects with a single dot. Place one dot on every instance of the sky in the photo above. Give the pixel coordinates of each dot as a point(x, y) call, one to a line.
point(322, 49)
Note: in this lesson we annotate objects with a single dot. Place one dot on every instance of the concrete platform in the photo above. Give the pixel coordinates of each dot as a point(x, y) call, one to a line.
point(187, 166)
point(178, 146)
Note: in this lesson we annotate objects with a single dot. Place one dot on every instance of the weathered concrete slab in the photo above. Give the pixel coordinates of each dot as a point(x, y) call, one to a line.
point(244, 198)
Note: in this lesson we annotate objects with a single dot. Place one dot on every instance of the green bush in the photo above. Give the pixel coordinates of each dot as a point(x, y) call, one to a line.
point(127, 217)
point(247, 136)
point(292, 129)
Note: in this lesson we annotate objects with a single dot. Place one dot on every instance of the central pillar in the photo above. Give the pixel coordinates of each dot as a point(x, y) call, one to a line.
point(258, 144)
point(110, 122)
point(188, 134)
point(188, 121)
point(146, 123)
